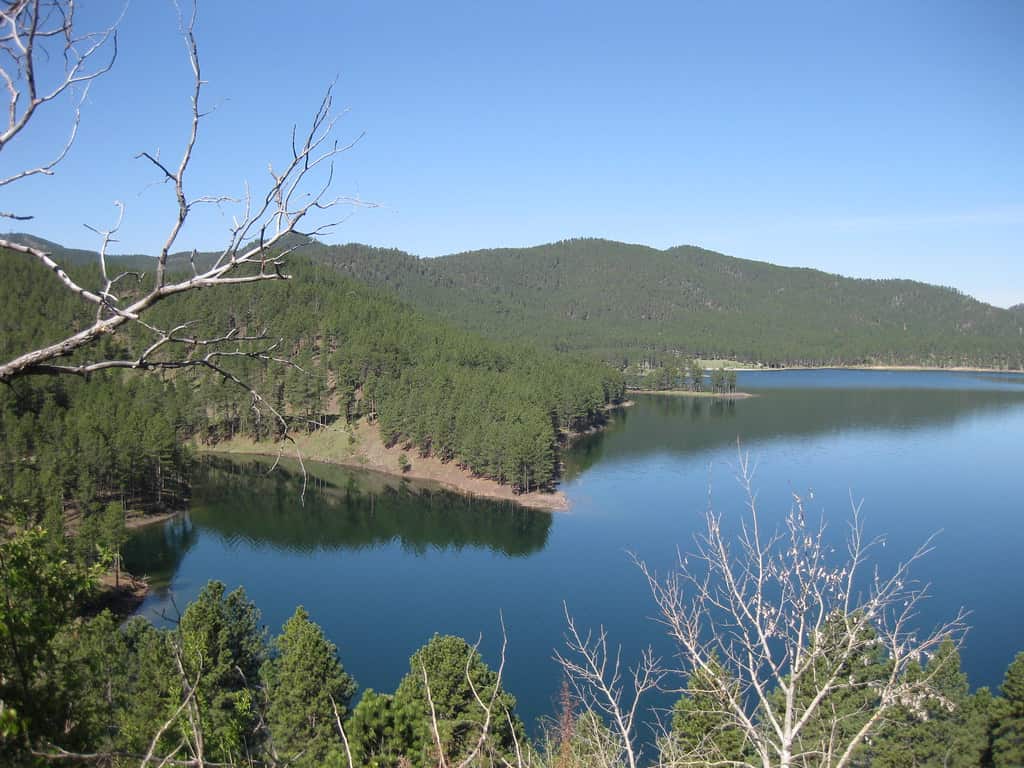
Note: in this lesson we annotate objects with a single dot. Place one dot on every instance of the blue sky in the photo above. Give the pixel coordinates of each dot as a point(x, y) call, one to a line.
point(869, 139)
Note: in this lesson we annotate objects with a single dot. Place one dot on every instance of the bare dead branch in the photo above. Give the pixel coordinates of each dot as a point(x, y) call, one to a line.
point(341, 731)
point(597, 677)
point(777, 631)
point(32, 32)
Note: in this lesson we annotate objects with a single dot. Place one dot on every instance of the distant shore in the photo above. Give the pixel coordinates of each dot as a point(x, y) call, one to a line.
point(366, 450)
point(689, 393)
point(909, 368)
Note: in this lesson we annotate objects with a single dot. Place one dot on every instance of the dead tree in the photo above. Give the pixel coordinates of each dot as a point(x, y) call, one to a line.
point(46, 30)
point(608, 690)
point(800, 657)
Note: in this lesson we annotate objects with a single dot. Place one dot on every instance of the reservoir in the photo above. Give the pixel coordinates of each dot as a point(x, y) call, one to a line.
point(382, 564)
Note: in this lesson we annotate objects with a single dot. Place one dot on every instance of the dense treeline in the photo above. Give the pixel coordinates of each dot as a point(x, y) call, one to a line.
point(496, 408)
point(690, 376)
point(625, 303)
point(213, 683)
point(97, 449)
point(620, 301)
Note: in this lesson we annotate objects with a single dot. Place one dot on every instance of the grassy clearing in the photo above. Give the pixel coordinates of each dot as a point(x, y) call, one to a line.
point(334, 443)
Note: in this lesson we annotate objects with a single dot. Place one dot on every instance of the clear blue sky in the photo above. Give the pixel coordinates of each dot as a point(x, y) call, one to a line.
point(870, 139)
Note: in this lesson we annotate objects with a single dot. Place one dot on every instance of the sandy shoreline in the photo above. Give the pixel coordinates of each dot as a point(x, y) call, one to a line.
point(141, 521)
point(368, 451)
point(688, 393)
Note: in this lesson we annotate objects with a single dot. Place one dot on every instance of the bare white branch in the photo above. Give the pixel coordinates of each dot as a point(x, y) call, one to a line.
point(777, 633)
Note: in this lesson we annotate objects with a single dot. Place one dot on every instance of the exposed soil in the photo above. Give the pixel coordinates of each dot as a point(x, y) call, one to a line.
point(688, 393)
point(121, 596)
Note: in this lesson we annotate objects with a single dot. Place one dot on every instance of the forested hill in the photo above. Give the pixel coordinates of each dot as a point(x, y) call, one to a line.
point(495, 407)
point(631, 302)
point(628, 301)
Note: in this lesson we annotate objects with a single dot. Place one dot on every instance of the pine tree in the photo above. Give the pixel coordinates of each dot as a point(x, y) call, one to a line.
point(223, 647)
point(1008, 733)
point(459, 717)
point(305, 684)
point(371, 732)
point(948, 729)
point(700, 728)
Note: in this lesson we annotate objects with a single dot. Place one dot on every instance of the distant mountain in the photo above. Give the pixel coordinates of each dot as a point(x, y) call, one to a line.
point(78, 256)
point(1017, 308)
point(628, 302)
point(179, 261)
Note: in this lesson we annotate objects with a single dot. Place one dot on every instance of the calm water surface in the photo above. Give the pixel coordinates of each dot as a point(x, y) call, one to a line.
point(382, 565)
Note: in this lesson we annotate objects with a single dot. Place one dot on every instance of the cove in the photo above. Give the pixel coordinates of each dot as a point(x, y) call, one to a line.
point(382, 564)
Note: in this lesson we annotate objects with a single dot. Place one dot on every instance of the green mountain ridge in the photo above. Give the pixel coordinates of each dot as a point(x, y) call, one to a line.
point(626, 302)
point(632, 302)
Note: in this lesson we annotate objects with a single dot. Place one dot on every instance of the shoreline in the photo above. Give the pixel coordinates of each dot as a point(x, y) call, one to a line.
point(688, 393)
point(141, 521)
point(359, 446)
point(368, 452)
point(909, 368)
point(567, 438)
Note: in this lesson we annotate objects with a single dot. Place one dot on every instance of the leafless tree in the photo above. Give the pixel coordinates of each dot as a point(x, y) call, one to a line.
point(802, 658)
point(32, 34)
point(256, 249)
point(605, 688)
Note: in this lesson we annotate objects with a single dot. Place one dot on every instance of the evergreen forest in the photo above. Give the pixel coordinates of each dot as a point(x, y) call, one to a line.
point(494, 378)
point(625, 303)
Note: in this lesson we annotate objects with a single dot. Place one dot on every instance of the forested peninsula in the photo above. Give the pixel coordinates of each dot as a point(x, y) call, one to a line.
point(353, 357)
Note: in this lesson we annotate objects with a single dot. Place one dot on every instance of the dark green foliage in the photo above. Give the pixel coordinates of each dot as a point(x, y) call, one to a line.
point(306, 686)
point(222, 646)
point(718, 380)
point(39, 594)
point(1008, 733)
point(496, 408)
point(617, 300)
point(696, 376)
point(371, 732)
point(949, 728)
point(700, 726)
point(89, 680)
point(153, 688)
point(445, 662)
point(82, 446)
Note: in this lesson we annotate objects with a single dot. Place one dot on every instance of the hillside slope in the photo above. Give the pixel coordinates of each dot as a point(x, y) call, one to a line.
point(498, 409)
point(630, 301)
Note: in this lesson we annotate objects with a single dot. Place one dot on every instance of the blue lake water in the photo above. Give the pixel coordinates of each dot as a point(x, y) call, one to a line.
point(382, 564)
